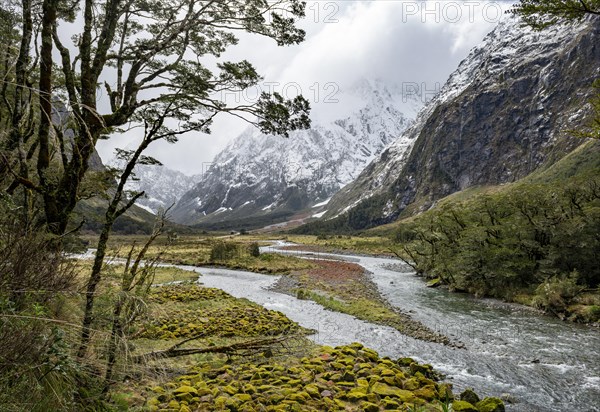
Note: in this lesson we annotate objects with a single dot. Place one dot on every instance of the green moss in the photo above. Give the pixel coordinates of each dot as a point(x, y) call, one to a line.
point(299, 385)
point(490, 405)
point(463, 406)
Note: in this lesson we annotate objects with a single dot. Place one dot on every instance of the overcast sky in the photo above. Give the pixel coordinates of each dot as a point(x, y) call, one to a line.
point(394, 40)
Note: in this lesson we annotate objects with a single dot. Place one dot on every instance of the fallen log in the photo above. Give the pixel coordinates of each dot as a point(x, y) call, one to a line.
point(254, 345)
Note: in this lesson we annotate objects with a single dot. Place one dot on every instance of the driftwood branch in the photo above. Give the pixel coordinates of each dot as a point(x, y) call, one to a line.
point(233, 349)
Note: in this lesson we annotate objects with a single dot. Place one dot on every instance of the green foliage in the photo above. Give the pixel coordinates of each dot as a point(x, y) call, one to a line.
point(223, 251)
point(556, 294)
point(543, 13)
point(254, 249)
point(38, 370)
point(541, 237)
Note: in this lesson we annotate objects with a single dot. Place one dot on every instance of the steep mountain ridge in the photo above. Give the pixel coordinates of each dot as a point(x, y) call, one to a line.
point(503, 114)
point(163, 186)
point(259, 179)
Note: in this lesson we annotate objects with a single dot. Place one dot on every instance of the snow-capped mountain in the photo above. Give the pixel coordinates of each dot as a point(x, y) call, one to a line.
point(265, 179)
point(163, 186)
point(501, 115)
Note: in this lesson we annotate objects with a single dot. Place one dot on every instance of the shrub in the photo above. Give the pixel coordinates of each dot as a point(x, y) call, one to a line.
point(223, 251)
point(254, 249)
point(556, 294)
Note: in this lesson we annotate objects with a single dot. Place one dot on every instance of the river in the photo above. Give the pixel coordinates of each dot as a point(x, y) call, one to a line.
point(544, 364)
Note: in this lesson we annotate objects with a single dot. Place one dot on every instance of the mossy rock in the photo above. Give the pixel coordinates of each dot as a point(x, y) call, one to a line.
point(434, 283)
point(383, 390)
point(357, 395)
point(243, 397)
point(470, 396)
point(490, 405)
point(313, 390)
point(369, 407)
point(405, 361)
point(153, 402)
point(463, 406)
point(417, 368)
point(426, 392)
point(274, 386)
point(389, 404)
point(186, 389)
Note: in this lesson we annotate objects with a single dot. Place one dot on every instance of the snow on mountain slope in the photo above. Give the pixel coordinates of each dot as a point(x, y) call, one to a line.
point(269, 178)
point(502, 114)
point(163, 186)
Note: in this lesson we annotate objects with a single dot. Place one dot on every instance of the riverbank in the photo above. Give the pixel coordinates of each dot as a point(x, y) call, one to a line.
point(347, 288)
point(540, 363)
point(562, 299)
point(230, 371)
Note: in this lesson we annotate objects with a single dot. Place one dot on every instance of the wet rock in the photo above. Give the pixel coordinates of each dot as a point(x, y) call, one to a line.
point(424, 369)
point(470, 396)
point(507, 397)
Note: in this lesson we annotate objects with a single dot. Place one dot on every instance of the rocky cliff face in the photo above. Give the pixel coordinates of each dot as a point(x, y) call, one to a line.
point(504, 113)
point(259, 180)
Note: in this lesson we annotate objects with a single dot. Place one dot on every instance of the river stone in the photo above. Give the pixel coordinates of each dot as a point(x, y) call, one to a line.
point(445, 391)
point(387, 372)
point(356, 395)
point(390, 404)
point(426, 392)
point(362, 382)
point(243, 397)
point(230, 390)
point(405, 361)
point(312, 390)
point(348, 377)
point(327, 394)
point(390, 380)
point(370, 354)
point(463, 406)
point(382, 389)
point(369, 407)
point(411, 384)
point(470, 396)
point(186, 390)
point(434, 283)
point(424, 369)
point(490, 405)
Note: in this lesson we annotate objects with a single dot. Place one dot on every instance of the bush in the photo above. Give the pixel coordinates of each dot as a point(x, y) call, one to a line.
point(254, 249)
point(223, 251)
point(556, 294)
point(37, 369)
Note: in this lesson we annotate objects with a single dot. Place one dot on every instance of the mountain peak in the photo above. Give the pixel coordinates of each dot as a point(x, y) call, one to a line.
point(274, 178)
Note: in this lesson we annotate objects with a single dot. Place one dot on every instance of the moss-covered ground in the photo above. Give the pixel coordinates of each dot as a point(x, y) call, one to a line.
point(294, 376)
